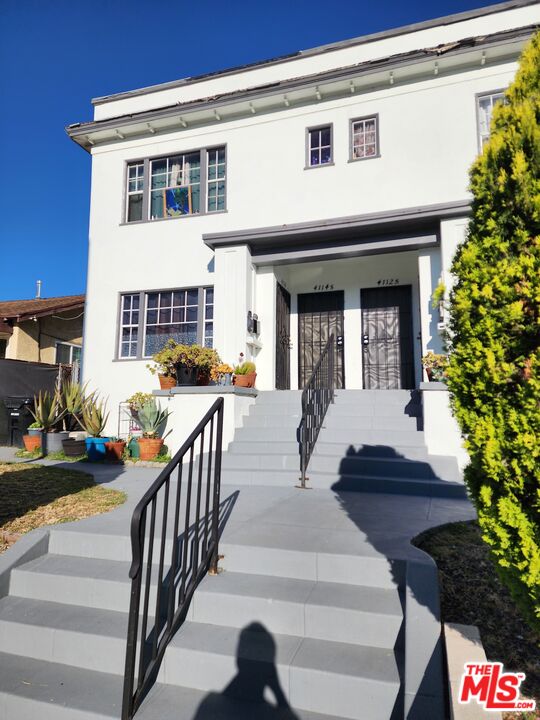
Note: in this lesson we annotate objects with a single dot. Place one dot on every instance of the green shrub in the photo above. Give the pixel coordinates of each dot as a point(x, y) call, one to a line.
point(494, 372)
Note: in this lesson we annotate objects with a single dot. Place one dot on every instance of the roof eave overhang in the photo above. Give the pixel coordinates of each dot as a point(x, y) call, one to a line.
point(358, 234)
point(44, 313)
point(279, 95)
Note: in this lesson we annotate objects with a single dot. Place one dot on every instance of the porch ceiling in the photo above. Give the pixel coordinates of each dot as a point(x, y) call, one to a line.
point(375, 233)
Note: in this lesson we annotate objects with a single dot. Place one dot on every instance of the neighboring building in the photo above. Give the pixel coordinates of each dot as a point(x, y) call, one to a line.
point(325, 191)
point(47, 330)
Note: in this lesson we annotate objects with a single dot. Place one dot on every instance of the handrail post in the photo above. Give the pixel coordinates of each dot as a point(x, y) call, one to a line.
point(213, 569)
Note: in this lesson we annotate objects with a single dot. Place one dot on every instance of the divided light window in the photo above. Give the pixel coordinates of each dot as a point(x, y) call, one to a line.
point(185, 184)
point(319, 146)
point(486, 103)
point(364, 138)
point(149, 319)
point(135, 192)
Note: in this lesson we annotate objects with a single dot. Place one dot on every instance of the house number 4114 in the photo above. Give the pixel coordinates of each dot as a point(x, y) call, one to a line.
point(388, 281)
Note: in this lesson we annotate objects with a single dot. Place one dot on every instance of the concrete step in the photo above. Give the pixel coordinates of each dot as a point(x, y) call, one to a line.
point(352, 436)
point(270, 446)
point(389, 485)
point(333, 449)
point(442, 468)
point(87, 582)
point(383, 409)
point(78, 636)
point(282, 554)
point(31, 689)
point(271, 421)
point(283, 397)
point(370, 422)
point(377, 396)
point(205, 656)
point(314, 675)
point(279, 409)
point(318, 610)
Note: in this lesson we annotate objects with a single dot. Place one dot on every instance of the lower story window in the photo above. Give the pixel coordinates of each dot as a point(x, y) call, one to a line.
point(149, 319)
point(67, 353)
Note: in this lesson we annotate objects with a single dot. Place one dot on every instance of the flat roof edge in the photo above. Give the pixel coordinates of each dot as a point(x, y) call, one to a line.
point(351, 42)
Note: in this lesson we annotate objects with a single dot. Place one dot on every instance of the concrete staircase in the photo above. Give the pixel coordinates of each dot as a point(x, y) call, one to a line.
point(323, 634)
point(371, 442)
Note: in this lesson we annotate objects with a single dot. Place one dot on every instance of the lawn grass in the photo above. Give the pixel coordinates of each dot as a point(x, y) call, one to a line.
point(472, 594)
point(32, 496)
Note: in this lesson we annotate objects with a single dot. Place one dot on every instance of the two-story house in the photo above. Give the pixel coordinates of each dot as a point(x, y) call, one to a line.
point(325, 191)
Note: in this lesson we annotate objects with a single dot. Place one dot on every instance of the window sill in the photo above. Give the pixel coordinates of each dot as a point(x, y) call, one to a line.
point(371, 157)
point(322, 165)
point(176, 217)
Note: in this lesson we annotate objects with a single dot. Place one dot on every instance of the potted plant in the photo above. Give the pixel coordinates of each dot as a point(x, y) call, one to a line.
point(93, 420)
point(208, 359)
point(435, 366)
point(164, 365)
point(47, 414)
point(114, 449)
point(32, 442)
point(35, 429)
point(245, 375)
point(222, 374)
point(151, 419)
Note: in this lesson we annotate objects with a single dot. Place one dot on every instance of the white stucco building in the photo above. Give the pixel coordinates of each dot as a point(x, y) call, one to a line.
point(323, 191)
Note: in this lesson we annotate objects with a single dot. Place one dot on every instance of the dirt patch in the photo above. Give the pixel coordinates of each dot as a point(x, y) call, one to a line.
point(472, 594)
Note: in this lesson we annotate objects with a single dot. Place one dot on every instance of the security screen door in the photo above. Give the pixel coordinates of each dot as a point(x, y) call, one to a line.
point(283, 338)
point(320, 315)
point(387, 340)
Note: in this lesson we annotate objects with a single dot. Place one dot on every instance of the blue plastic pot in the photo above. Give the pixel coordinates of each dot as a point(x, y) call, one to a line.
point(95, 448)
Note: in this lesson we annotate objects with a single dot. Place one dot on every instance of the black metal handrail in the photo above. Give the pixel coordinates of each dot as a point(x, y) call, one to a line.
point(317, 395)
point(184, 553)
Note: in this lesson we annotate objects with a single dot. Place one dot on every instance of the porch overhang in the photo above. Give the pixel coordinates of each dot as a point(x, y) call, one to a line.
point(335, 238)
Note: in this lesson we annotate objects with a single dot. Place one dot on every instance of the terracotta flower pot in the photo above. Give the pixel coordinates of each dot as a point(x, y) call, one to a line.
point(114, 450)
point(166, 382)
point(32, 442)
point(149, 448)
point(245, 380)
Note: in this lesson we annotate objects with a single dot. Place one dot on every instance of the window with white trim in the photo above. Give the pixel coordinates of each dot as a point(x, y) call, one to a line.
point(364, 138)
point(319, 146)
point(68, 353)
point(129, 335)
point(134, 195)
point(486, 103)
point(149, 319)
point(209, 317)
point(188, 183)
point(216, 179)
point(175, 187)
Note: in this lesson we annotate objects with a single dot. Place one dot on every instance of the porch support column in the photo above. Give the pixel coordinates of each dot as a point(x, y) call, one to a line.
point(429, 272)
point(233, 289)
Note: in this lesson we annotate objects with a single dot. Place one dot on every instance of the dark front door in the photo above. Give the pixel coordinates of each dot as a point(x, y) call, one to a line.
point(319, 315)
point(283, 339)
point(387, 340)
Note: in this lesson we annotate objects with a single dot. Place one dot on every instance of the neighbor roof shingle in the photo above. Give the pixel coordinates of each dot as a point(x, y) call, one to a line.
point(17, 309)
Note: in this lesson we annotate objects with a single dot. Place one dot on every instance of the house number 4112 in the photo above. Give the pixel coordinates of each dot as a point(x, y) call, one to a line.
point(388, 281)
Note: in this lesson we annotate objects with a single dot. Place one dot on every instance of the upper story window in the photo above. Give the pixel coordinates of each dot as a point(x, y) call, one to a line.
point(486, 103)
point(365, 138)
point(149, 319)
point(135, 192)
point(319, 146)
point(185, 184)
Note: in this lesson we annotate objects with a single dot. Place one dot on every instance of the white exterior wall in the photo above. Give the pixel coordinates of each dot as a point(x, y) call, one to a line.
point(428, 138)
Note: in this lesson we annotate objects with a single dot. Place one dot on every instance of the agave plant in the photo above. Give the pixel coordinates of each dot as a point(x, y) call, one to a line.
point(47, 411)
point(72, 399)
point(94, 415)
point(151, 418)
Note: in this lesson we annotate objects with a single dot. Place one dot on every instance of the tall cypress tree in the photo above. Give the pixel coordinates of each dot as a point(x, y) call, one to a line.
point(494, 373)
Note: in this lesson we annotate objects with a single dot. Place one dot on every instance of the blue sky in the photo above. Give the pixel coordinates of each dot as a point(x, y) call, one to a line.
point(58, 54)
